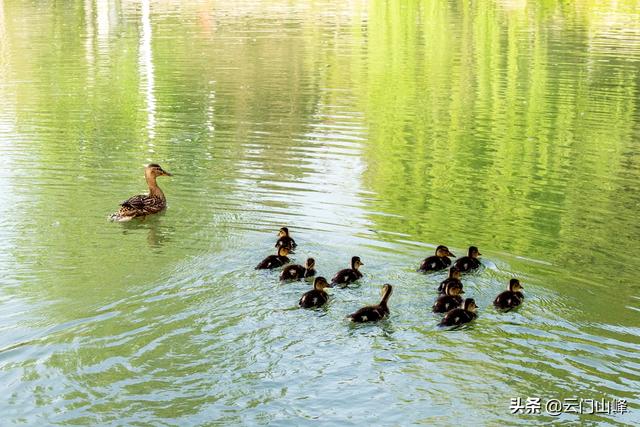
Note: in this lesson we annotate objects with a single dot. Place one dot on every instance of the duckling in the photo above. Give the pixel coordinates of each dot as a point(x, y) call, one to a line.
point(298, 272)
point(348, 275)
point(284, 240)
point(459, 316)
point(144, 204)
point(510, 298)
point(317, 297)
point(373, 313)
point(453, 279)
point(450, 300)
point(437, 262)
point(469, 262)
point(274, 261)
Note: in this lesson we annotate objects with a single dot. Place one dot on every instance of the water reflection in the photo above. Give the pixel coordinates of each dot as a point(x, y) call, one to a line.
point(146, 68)
point(90, 40)
point(103, 10)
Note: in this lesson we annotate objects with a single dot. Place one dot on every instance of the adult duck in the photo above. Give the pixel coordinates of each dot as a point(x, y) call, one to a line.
point(144, 204)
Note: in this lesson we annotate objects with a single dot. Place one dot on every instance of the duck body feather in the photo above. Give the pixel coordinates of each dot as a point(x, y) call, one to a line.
point(296, 272)
point(286, 242)
point(466, 264)
point(272, 261)
point(434, 263)
point(447, 303)
point(144, 204)
point(371, 313)
point(457, 316)
point(138, 206)
point(346, 276)
point(314, 298)
point(508, 299)
point(451, 281)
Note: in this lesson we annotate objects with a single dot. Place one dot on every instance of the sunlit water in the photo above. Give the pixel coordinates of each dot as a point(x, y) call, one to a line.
point(378, 129)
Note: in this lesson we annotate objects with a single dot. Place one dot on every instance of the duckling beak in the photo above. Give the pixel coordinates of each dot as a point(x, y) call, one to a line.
point(451, 254)
point(462, 292)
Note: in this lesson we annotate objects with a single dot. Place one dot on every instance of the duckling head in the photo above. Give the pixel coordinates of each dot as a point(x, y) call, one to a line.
point(284, 232)
point(453, 289)
point(515, 286)
point(309, 263)
point(470, 305)
point(386, 291)
point(356, 263)
point(155, 170)
point(321, 283)
point(443, 251)
point(283, 251)
point(474, 252)
point(454, 273)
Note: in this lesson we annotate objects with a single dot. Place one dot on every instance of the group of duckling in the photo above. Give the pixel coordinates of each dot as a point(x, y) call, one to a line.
point(456, 310)
point(318, 296)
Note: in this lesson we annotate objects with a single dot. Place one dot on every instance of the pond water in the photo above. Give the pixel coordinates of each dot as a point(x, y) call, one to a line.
point(379, 129)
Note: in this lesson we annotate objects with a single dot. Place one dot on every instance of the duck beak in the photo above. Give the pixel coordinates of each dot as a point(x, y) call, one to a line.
point(462, 292)
point(451, 254)
point(165, 173)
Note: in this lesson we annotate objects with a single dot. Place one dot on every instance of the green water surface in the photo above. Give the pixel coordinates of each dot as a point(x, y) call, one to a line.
point(371, 128)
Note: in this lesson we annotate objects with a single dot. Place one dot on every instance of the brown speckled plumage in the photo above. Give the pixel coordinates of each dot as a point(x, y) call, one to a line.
point(144, 204)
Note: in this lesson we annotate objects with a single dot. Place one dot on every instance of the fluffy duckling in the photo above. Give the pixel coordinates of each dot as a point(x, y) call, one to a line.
point(373, 313)
point(469, 262)
point(459, 316)
point(317, 297)
point(285, 241)
point(298, 272)
point(453, 279)
point(274, 261)
point(348, 275)
point(450, 300)
point(144, 204)
point(437, 262)
point(510, 298)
